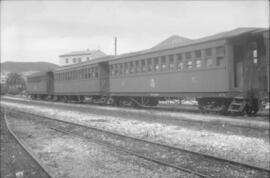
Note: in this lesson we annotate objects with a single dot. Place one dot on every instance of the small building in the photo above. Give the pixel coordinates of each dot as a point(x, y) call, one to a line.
point(80, 56)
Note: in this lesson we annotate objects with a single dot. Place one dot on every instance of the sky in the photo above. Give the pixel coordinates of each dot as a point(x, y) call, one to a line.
point(43, 30)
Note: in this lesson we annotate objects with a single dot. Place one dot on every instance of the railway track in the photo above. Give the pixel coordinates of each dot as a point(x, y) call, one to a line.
point(24, 146)
point(194, 163)
point(235, 125)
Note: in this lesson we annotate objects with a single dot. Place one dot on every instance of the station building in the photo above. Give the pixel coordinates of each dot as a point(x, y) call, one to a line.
point(79, 56)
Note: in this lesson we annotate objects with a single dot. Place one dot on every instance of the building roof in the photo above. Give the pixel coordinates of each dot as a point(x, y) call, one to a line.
point(171, 42)
point(76, 53)
point(218, 36)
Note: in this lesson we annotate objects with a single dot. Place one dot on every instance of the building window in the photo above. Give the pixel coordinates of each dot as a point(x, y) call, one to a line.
point(79, 60)
point(87, 58)
point(66, 60)
point(74, 60)
point(189, 63)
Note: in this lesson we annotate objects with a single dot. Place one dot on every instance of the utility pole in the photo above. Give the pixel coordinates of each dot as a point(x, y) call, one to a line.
point(115, 46)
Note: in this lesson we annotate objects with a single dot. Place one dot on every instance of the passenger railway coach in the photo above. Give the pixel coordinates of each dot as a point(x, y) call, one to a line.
point(225, 72)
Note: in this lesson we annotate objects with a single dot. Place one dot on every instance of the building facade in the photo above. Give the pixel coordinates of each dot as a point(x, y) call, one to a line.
point(80, 56)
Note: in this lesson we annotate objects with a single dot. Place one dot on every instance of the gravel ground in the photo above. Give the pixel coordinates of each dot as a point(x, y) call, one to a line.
point(251, 150)
point(180, 158)
point(15, 161)
point(68, 156)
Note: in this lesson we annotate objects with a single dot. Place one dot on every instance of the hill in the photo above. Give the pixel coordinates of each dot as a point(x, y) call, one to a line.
point(22, 67)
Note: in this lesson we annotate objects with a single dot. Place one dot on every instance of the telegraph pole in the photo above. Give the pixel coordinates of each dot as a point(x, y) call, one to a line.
point(115, 46)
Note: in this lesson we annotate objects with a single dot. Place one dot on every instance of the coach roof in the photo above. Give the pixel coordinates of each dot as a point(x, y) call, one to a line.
point(218, 36)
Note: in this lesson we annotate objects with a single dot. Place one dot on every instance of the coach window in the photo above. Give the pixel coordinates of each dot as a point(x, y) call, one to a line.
point(75, 75)
point(123, 69)
point(149, 65)
point(198, 61)
point(80, 74)
point(89, 72)
point(209, 57)
point(188, 60)
point(92, 72)
point(220, 53)
point(116, 69)
point(138, 67)
point(156, 64)
point(171, 62)
point(180, 64)
point(111, 70)
point(85, 73)
point(134, 67)
point(96, 72)
point(126, 68)
point(74, 60)
point(143, 62)
point(163, 63)
point(119, 69)
point(131, 67)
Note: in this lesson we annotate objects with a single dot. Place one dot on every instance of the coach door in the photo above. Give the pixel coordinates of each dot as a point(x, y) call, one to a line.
point(50, 82)
point(104, 80)
point(238, 66)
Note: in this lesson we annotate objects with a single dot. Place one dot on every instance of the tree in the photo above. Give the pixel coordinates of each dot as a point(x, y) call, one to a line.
point(15, 83)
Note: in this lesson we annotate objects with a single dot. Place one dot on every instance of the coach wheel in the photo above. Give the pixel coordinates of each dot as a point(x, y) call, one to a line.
point(251, 110)
point(126, 103)
point(65, 99)
point(110, 101)
point(224, 109)
point(153, 102)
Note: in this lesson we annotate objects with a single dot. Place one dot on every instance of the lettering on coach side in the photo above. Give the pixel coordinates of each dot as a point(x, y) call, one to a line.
point(152, 83)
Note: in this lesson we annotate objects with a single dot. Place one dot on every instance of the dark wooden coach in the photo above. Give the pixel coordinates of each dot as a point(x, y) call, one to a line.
point(225, 72)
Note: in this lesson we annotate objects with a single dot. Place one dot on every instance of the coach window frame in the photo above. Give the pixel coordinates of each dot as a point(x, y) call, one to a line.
point(198, 58)
point(220, 54)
